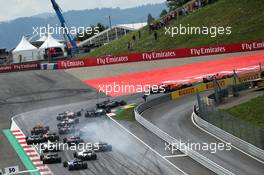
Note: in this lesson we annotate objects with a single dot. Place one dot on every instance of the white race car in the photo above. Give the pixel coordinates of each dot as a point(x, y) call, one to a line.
point(85, 155)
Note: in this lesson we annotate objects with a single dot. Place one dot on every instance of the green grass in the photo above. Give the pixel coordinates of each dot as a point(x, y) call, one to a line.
point(125, 114)
point(251, 111)
point(244, 16)
point(20, 151)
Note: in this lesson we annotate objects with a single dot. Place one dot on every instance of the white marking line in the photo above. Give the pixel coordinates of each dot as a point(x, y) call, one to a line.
point(225, 141)
point(20, 137)
point(174, 156)
point(27, 171)
point(38, 163)
point(34, 158)
point(147, 145)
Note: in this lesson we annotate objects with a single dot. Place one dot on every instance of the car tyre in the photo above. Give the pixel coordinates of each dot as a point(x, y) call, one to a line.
point(65, 164)
point(41, 157)
point(75, 154)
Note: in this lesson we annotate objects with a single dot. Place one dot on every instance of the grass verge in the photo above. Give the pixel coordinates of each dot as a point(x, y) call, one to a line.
point(251, 111)
point(126, 114)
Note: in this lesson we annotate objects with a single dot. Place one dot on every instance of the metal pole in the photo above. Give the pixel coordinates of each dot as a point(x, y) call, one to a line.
point(110, 22)
point(216, 91)
point(199, 104)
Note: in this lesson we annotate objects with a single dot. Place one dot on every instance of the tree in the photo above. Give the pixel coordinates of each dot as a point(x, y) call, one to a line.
point(173, 4)
point(101, 27)
point(163, 13)
point(150, 19)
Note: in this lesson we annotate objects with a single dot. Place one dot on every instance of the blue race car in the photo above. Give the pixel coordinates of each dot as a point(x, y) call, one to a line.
point(75, 164)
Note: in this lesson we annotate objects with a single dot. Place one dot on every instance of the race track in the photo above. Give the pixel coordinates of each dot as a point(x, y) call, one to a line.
point(129, 156)
point(174, 117)
point(36, 90)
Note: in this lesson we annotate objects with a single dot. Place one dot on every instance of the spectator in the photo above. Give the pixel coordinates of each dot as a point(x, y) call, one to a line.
point(156, 36)
point(128, 45)
point(139, 34)
point(134, 38)
point(199, 4)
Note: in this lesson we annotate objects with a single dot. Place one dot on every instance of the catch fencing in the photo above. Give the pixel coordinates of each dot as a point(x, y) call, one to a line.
point(209, 112)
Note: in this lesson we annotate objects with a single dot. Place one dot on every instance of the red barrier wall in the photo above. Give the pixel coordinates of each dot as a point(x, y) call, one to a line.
point(164, 54)
point(19, 67)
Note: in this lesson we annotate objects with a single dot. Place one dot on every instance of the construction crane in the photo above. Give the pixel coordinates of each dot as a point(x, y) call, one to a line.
point(74, 48)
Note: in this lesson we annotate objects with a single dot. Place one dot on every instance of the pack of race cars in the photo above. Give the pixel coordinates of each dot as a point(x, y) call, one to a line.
point(68, 127)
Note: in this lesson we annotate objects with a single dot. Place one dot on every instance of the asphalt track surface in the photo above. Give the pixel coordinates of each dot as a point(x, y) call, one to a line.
point(129, 156)
point(26, 91)
point(174, 117)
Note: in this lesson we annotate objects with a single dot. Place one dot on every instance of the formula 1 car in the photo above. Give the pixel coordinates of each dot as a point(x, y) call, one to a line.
point(50, 158)
point(53, 137)
point(209, 78)
point(69, 115)
point(75, 164)
point(85, 155)
point(102, 147)
point(35, 139)
point(69, 122)
point(95, 113)
point(218, 76)
point(175, 87)
point(67, 130)
point(50, 147)
point(39, 129)
point(73, 140)
point(108, 105)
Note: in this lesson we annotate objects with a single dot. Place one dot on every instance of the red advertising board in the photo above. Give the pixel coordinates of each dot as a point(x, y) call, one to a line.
point(19, 67)
point(163, 54)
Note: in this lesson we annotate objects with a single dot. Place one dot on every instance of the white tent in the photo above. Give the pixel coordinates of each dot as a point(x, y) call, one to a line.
point(50, 42)
point(25, 52)
point(43, 38)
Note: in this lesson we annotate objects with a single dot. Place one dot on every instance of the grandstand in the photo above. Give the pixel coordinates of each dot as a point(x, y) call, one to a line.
point(110, 34)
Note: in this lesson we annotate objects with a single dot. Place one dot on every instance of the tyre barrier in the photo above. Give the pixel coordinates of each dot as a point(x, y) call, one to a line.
point(171, 140)
point(239, 143)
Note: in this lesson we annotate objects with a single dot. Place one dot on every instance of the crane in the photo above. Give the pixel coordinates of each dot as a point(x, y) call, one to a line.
point(58, 11)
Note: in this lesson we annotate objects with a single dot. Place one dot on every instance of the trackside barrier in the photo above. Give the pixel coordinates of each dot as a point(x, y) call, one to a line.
point(169, 139)
point(243, 145)
point(137, 57)
point(162, 54)
point(19, 67)
point(201, 87)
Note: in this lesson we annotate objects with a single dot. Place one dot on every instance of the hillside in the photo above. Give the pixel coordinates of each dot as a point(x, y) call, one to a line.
point(12, 31)
point(245, 17)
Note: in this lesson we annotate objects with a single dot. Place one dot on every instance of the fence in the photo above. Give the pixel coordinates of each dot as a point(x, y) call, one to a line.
point(221, 119)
